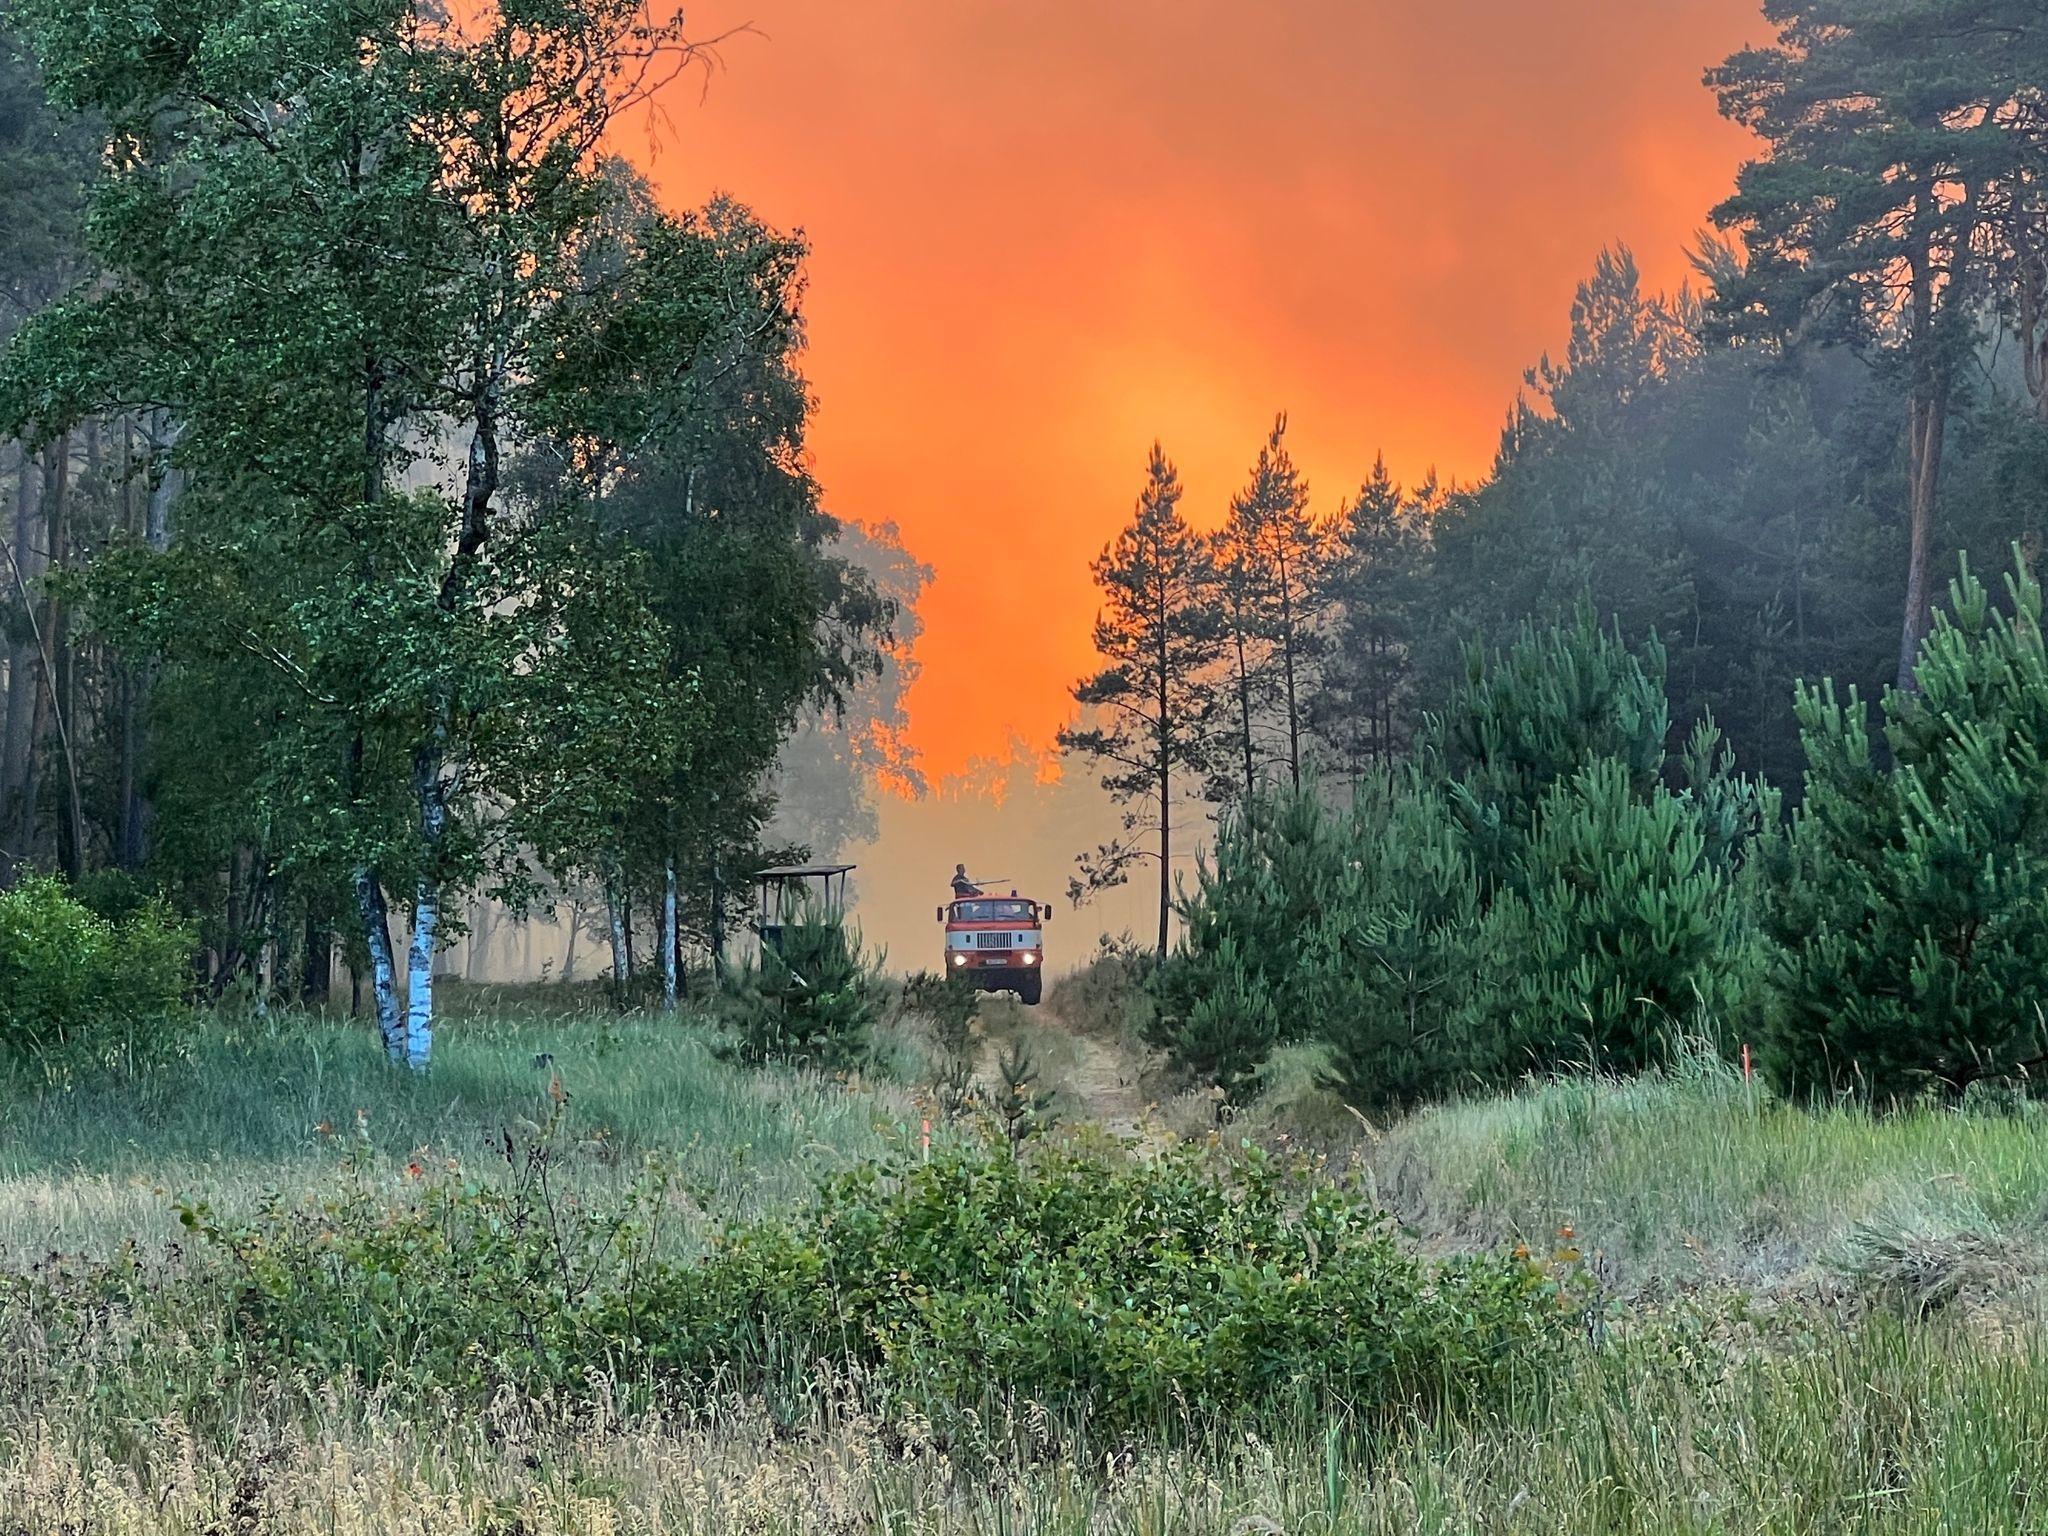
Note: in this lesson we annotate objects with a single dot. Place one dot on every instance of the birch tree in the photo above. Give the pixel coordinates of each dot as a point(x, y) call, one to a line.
point(339, 242)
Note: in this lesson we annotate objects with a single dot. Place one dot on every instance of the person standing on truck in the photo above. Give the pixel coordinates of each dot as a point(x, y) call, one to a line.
point(962, 886)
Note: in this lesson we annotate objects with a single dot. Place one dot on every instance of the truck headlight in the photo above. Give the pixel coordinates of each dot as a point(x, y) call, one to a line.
point(1030, 957)
point(959, 957)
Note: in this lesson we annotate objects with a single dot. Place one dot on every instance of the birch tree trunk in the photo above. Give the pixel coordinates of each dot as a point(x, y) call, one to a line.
point(426, 910)
point(668, 935)
point(376, 921)
point(622, 960)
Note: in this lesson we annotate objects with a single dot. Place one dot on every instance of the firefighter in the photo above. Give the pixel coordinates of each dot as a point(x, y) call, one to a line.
point(962, 886)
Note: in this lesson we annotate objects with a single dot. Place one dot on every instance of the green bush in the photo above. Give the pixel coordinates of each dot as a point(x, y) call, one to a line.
point(1121, 1294)
point(1136, 1293)
point(1631, 931)
point(1909, 902)
point(1542, 888)
point(1553, 703)
point(79, 990)
point(1110, 993)
point(813, 998)
point(1403, 1005)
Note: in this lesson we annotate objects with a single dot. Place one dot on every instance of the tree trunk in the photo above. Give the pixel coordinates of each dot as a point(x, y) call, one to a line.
point(376, 921)
point(317, 978)
point(575, 932)
point(24, 669)
point(668, 935)
point(431, 794)
point(717, 927)
point(419, 975)
point(45, 701)
point(1287, 667)
point(626, 923)
point(622, 960)
point(1244, 706)
point(1926, 433)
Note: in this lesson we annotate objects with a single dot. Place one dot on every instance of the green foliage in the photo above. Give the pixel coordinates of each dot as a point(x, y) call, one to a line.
point(1554, 702)
point(1131, 1295)
point(1626, 928)
point(1142, 1293)
point(467, 1285)
point(1109, 994)
point(1417, 958)
point(948, 1003)
point(813, 998)
point(1910, 901)
point(1551, 902)
point(79, 990)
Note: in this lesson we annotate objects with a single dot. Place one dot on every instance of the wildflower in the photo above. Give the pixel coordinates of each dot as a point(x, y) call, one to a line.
point(555, 1089)
point(1566, 1232)
point(414, 1171)
point(325, 1128)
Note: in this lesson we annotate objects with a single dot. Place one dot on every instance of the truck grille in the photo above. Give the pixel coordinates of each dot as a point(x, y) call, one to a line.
point(992, 941)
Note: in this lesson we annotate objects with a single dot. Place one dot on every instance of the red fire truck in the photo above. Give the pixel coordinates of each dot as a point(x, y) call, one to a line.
point(997, 943)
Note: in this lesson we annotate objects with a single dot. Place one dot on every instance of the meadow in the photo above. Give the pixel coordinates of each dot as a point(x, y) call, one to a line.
point(1782, 1320)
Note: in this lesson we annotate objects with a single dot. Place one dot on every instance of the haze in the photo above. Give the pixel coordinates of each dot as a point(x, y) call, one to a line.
point(1044, 235)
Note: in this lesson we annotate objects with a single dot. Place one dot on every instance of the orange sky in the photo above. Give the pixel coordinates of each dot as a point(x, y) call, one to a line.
point(1045, 233)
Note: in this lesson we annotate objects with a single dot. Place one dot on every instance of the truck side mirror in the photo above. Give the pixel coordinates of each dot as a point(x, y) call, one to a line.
point(1048, 911)
point(942, 914)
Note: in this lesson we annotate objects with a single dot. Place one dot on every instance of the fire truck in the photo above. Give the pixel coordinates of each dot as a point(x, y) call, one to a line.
point(997, 943)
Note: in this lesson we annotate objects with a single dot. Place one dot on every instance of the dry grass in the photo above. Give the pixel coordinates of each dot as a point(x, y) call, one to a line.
point(1707, 1413)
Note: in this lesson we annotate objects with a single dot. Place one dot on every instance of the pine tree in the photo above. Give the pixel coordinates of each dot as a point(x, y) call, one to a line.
point(1151, 705)
point(1270, 557)
point(1373, 587)
point(1909, 902)
point(1901, 173)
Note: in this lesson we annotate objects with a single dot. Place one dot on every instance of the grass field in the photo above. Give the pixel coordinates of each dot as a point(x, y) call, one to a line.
point(1804, 1322)
point(273, 1105)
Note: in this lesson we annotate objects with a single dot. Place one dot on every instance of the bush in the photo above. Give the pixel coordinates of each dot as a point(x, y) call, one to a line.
point(814, 998)
point(1530, 894)
point(1136, 1293)
point(1555, 702)
point(78, 990)
point(1110, 994)
point(1910, 902)
point(1628, 925)
point(1123, 1295)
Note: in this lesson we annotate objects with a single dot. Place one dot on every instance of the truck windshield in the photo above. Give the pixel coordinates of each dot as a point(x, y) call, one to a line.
point(993, 911)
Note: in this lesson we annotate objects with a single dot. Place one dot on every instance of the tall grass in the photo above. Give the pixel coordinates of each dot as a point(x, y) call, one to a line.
point(273, 1103)
point(1891, 1429)
point(1708, 1413)
point(1696, 1175)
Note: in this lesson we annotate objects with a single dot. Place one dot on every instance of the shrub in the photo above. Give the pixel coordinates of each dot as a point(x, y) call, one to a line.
point(1400, 1004)
point(1136, 1293)
point(1555, 702)
point(1109, 994)
point(1531, 893)
point(1124, 1295)
point(1910, 902)
point(79, 990)
point(948, 1003)
point(813, 997)
point(1627, 924)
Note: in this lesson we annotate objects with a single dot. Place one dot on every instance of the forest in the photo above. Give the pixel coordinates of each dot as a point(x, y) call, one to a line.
point(1712, 711)
point(1587, 1071)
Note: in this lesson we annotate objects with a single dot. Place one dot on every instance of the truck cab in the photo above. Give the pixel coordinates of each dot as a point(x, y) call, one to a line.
point(997, 943)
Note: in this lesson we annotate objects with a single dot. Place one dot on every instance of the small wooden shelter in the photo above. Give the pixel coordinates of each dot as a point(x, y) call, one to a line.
point(792, 894)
